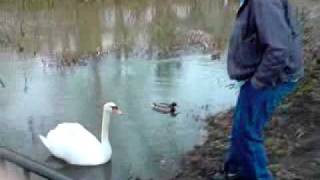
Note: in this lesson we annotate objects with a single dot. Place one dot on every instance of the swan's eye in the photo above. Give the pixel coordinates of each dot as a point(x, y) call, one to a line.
point(115, 107)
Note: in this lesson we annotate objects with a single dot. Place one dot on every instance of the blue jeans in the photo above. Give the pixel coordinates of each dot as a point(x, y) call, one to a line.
point(254, 108)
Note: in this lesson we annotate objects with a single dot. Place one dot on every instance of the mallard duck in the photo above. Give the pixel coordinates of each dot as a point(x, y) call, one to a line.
point(165, 107)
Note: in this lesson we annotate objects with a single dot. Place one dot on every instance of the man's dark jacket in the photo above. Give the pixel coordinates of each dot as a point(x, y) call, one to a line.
point(265, 46)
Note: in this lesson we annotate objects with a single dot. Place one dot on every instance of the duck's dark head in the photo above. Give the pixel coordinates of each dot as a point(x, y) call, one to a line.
point(173, 107)
point(173, 104)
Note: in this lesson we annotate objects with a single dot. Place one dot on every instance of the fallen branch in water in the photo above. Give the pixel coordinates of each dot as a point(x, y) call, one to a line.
point(2, 84)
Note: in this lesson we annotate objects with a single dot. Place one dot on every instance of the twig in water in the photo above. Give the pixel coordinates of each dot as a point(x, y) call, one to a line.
point(2, 84)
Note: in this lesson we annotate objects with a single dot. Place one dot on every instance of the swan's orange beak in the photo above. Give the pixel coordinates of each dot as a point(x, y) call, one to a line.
point(117, 111)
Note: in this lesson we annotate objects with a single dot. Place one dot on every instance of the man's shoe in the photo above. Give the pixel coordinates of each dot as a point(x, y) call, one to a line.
point(229, 176)
point(232, 176)
point(218, 176)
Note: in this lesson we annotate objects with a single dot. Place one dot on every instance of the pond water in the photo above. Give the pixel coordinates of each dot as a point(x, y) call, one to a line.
point(145, 143)
point(51, 27)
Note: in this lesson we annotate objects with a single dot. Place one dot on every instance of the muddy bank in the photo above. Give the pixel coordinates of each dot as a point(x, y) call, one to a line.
point(291, 138)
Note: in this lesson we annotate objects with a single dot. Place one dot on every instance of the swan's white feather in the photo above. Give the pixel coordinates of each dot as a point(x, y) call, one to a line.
point(76, 145)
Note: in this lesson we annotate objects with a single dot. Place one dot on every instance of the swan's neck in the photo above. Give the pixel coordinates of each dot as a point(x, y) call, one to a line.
point(105, 127)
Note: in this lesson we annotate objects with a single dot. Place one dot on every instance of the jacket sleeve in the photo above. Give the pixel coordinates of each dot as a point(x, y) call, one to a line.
point(274, 35)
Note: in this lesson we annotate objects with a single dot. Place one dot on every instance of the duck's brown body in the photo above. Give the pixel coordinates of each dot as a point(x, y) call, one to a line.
point(164, 107)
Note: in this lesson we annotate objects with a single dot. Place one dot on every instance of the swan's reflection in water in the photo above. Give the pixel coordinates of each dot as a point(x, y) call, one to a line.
point(101, 172)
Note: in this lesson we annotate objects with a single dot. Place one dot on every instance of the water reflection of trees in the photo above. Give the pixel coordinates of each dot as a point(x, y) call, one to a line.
point(121, 37)
point(134, 26)
point(168, 69)
point(163, 26)
point(88, 25)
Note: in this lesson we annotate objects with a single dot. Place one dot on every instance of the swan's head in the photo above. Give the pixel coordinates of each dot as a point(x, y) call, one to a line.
point(111, 107)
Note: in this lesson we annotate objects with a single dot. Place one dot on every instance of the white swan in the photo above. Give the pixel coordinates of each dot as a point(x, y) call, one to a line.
point(76, 145)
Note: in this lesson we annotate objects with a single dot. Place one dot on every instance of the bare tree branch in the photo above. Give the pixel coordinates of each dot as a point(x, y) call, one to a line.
point(2, 84)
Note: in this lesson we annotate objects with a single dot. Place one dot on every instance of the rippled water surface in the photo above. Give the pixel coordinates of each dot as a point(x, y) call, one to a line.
point(145, 143)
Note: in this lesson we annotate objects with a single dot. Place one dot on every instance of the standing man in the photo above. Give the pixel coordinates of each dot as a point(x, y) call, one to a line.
point(265, 52)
